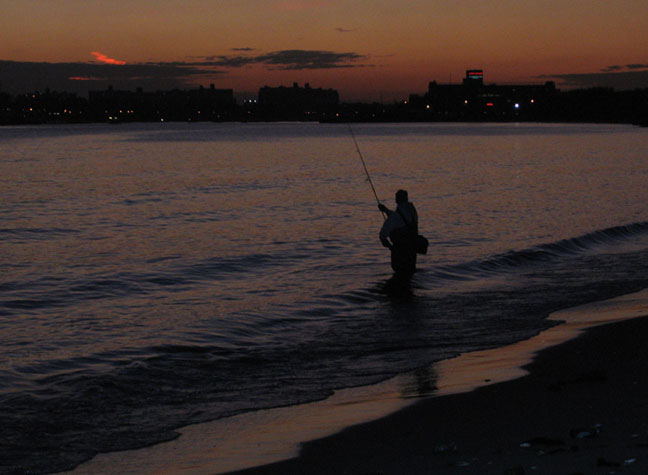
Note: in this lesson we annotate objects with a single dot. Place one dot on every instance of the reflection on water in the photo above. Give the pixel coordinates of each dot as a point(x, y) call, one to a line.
point(397, 288)
point(200, 270)
point(267, 436)
point(421, 383)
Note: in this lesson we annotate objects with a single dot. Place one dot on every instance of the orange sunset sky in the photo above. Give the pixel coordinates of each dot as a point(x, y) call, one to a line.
point(366, 49)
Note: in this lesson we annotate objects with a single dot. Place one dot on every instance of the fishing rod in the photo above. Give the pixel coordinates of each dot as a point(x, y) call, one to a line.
point(364, 165)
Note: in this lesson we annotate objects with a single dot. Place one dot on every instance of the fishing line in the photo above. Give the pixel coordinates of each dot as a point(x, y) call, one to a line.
point(364, 165)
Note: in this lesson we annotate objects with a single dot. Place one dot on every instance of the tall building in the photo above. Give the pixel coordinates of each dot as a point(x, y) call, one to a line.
point(194, 105)
point(474, 78)
point(297, 102)
point(475, 100)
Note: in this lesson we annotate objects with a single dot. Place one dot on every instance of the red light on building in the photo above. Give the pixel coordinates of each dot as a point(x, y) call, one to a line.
point(475, 74)
point(474, 78)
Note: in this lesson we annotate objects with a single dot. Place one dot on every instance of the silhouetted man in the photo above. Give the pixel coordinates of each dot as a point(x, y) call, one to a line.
point(399, 233)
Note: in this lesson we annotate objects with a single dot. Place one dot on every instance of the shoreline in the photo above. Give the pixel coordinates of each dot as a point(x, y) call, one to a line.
point(364, 429)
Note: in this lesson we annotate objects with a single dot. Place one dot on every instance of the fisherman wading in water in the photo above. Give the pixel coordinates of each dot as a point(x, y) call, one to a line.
point(399, 233)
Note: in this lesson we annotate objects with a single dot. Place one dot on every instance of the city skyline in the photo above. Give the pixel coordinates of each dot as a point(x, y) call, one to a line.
point(367, 50)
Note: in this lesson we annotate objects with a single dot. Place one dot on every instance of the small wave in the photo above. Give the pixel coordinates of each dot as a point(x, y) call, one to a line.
point(217, 268)
point(512, 260)
point(57, 291)
point(34, 234)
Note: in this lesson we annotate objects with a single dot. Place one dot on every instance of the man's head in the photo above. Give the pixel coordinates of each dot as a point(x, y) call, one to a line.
point(401, 196)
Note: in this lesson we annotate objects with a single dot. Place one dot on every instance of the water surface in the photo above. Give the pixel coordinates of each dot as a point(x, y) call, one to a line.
point(156, 275)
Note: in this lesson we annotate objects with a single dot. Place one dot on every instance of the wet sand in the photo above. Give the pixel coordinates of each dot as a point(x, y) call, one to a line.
point(582, 409)
point(577, 407)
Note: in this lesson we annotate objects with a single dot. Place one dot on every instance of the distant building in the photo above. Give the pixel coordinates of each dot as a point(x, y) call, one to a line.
point(297, 102)
point(473, 100)
point(179, 105)
point(474, 78)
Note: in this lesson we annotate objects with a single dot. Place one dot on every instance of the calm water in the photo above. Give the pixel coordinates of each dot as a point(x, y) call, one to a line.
point(155, 275)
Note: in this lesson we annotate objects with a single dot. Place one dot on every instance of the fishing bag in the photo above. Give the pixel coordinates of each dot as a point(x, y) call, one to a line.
point(421, 244)
point(407, 236)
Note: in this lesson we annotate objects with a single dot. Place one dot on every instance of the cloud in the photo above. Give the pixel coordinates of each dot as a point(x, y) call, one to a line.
point(18, 77)
point(610, 69)
point(302, 59)
point(627, 67)
point(637, 66)
point(298, 5)
point(105, 59)
point(293, 59)
point(223, 61)
point(616, 77)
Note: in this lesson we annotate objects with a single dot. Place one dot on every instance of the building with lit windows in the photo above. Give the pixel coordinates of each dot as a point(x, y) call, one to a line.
point(302, 103)
point(474, 100)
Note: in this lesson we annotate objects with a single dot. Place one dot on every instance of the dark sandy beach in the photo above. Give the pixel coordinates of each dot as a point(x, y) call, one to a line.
point(582, 409)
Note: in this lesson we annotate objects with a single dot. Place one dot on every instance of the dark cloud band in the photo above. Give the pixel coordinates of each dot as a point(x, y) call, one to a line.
point(627, 67)
point(612, 76)
point(294, 59)
point(16, 76)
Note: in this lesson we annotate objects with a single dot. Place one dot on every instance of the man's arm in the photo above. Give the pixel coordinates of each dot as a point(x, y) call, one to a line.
point(387, 226)
point(384, 209)
point(385, 242)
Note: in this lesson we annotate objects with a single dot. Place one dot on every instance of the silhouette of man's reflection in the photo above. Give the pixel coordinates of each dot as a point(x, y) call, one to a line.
point(422, 383)
point(398, 287)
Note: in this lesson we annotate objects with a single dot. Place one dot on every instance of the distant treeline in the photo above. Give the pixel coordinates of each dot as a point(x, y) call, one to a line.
point(440, 103)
